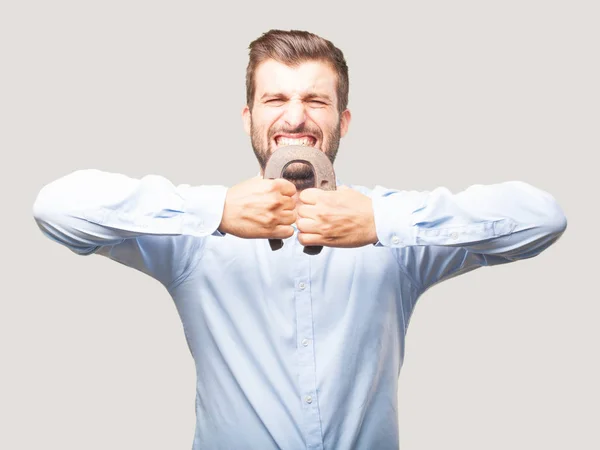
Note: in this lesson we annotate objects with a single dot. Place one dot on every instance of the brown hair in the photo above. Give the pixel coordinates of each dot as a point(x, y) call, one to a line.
point(292, 48)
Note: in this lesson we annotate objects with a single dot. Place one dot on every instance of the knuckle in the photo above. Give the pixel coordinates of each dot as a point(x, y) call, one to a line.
point(327, 217)
point(271, 186)
point(283, 184)
point(268, 219)
point(274, 201)
point(288, 219)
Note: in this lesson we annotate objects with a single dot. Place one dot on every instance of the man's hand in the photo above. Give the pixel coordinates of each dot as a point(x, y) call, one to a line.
point(341, 218)
point(259, 208)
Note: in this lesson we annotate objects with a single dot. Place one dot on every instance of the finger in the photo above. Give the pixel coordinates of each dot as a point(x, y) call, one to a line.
point(288, 217)
point(285, 187)
point(307, 211)
point(307, 226)
point(310, 239)
point(310, 196)
point(288, 203)
point(282, 232)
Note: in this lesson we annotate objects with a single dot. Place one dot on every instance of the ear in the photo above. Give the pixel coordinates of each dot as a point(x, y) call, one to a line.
point(247, 119)
point(345, 122)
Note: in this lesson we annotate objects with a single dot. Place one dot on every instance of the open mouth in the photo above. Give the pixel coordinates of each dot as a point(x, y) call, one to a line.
point(304, 140)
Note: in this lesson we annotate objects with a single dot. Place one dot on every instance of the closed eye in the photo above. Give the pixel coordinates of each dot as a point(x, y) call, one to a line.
point(275, 101)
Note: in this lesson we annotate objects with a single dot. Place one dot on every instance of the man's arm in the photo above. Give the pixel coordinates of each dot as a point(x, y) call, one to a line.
point(133, 221)
point(151, 224)
point(438, 235)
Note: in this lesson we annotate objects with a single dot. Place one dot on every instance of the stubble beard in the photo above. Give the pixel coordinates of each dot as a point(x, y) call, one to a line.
point(298, 173)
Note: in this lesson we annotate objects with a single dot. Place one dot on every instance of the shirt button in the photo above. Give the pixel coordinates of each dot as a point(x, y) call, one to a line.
point(305, 342)
point(454, 235)
point(302, 286)
point(395, 240)
point(308, 399)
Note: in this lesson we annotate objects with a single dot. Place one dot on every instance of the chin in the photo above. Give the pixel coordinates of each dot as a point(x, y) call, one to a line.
point(298, 171)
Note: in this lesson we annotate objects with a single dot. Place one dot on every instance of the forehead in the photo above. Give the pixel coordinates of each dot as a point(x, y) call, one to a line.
point(310, 76)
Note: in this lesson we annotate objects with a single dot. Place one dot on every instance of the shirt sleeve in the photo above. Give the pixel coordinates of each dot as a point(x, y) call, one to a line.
point(437, 235)
point(149, 224)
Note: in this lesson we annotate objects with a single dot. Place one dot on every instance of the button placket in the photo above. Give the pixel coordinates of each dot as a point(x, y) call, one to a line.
point(305, 352)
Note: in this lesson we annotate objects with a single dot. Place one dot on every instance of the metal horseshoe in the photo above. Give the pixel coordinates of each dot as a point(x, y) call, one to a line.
point(322, 170)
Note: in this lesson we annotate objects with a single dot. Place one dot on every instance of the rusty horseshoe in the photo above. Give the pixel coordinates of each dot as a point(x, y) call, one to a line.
point(322, 170)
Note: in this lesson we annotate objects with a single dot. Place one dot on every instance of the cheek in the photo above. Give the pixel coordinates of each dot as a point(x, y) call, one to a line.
point(326, 122)
point(265, 122)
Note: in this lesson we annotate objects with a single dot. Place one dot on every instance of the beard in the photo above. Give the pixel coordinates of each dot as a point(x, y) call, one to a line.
point(300, 174)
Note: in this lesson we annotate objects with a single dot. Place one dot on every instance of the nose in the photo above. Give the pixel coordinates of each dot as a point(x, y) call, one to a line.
point(295, 114)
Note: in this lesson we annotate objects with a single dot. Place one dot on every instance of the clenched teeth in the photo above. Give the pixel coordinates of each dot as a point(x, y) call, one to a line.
point(305, 141)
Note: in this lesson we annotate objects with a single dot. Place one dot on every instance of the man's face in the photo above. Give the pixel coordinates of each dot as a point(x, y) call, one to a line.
point(295, 106)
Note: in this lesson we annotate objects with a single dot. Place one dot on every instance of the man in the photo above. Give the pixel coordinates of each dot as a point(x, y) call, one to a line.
point(295, 351)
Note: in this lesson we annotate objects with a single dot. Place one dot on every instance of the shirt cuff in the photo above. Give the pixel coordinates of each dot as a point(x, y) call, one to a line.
point(203, 208)
point(393, 221)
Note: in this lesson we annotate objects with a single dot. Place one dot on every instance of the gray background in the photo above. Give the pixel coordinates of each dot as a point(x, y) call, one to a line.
point(442, 93)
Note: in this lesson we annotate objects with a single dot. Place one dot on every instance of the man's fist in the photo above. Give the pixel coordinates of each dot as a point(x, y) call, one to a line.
point(259, 208)
point(341, 218)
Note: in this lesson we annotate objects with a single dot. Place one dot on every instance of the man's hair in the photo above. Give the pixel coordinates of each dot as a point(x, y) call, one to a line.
point(293, 48)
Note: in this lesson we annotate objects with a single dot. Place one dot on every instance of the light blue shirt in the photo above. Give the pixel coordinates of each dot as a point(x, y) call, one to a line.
point(294, 351)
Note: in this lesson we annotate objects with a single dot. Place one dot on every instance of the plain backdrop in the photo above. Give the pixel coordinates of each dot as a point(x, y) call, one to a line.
point(443, 93)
